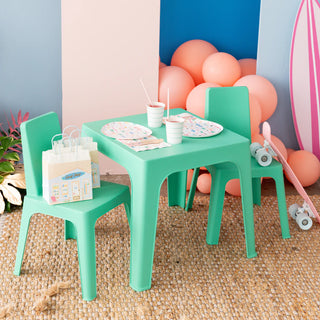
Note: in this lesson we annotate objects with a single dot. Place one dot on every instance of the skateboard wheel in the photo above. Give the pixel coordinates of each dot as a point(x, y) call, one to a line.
point(263, 157)
point(293, 209)
point(304, 221)
point(254, 147)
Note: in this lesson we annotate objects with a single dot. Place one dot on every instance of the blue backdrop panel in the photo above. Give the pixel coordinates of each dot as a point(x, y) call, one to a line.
point(231, 26)
point(30, 57)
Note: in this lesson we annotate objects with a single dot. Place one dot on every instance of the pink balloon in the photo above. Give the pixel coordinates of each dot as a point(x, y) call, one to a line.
point(179, 82)
point(204, 183)
point(221, 68)
point(255, 114)
point(263, 90)
point(248, 66)
point(161, 65)
point(190, 56)
point(196, 98)
point(305, 166)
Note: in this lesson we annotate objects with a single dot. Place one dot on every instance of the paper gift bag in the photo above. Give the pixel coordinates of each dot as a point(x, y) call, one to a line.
point(66, 175)
point(88, 144)
point(92, 147)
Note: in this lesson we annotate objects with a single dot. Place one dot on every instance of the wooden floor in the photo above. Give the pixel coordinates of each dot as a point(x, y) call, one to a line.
point(267, 187)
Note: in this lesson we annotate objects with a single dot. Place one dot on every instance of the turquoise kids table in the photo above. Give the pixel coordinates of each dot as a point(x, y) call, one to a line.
point(148, 170)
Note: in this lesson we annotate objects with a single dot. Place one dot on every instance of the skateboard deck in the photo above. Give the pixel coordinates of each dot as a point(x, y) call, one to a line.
point(266, 131)
point(305, 76)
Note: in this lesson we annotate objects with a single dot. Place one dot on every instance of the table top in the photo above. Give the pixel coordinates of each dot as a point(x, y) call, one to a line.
point(116, 150)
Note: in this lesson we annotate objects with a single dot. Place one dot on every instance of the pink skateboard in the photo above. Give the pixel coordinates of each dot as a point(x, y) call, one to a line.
point(302, 213)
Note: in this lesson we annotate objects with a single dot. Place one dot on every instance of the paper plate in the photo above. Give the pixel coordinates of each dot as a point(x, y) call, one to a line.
point(198, 128)
point(125, 130)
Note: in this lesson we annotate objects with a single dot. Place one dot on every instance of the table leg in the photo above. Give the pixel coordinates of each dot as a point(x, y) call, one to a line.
point(177, 187)
point(145, 192)
point(247, 203)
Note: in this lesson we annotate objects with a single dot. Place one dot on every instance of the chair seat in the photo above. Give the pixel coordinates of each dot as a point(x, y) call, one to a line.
point(256, 169)
point(107, 197)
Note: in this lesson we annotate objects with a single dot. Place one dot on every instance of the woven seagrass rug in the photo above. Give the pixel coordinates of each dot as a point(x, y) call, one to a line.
point(191, 280)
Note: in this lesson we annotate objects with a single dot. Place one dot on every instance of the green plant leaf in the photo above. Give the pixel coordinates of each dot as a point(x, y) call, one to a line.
point(1, 152)
point(14, 142)
point(11, 156)
point(6, 167)
point(6, 142)
point(8, 207)
point(1, 178)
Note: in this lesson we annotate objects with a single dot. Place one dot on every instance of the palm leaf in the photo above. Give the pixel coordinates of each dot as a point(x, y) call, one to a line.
point(11, 194)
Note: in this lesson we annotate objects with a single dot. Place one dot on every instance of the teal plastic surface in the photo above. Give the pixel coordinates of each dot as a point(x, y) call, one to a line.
point(148, 170)
point(80, 217)
point(229, 106)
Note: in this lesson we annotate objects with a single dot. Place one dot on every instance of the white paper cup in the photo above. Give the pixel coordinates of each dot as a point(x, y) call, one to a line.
point(155, 114)
point(174, 129)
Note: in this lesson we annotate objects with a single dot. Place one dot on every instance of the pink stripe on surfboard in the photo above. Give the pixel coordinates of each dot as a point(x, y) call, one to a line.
point(291, 75)
point(314, 78)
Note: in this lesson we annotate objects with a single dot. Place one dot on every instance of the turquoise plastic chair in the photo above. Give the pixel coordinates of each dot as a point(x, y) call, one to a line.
point(80, 217)
point(229, 106)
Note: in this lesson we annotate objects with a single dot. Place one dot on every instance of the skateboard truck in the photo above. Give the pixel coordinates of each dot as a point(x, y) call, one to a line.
point(263, 154)
point(302, 215)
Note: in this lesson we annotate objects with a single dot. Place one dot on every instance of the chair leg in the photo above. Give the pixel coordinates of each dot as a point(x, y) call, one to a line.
point(282, 205)
point(127, 207)
point(256, 190)
point(87, 258)
point(69, 230)
point(24, 227)
point(217, 193)
point(192, 190)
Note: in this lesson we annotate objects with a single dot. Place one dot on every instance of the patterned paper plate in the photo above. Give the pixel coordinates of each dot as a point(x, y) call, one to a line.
point(125, 130)
point(198, 128)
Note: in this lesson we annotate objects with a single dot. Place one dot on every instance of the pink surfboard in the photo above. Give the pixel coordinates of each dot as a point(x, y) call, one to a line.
point(305, 76)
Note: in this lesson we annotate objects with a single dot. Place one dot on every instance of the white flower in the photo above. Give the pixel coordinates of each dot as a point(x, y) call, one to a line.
point(8, 190)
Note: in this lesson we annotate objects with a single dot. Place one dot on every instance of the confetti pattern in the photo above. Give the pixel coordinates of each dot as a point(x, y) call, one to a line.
point(198, 128)
point(125, 130)
point(140, 144)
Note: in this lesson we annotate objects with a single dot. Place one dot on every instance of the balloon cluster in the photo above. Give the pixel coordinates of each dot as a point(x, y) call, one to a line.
point(197, 65)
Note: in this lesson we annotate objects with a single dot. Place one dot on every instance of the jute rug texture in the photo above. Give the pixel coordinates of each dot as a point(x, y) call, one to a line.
point(191, 280)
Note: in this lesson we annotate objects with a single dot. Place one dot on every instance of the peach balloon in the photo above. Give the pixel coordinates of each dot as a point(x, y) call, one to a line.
point(257, 138)
point(161, 65)
point(221, 68)
point(189, 178)
point(233, 187)
point(204, 183)
point(263, 90)
point(305, 166)
point(255, 114)
point(289, 151)
point(248, 66)
point(280, 145)
point(196, 98)
point(179, 82)
point(190, 56)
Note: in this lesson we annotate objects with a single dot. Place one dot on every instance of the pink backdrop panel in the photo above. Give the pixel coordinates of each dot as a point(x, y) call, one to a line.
point(106, 47)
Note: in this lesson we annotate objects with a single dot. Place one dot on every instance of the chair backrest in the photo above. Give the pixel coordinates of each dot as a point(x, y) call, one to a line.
point(36, 137)
point(229, 106)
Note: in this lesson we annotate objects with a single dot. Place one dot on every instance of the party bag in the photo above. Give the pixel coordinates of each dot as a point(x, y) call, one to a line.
point(88, 144)
point(66, 172)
